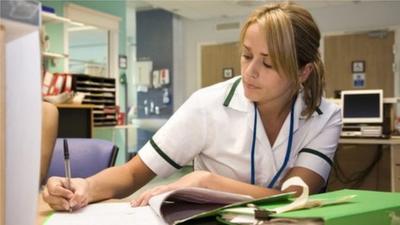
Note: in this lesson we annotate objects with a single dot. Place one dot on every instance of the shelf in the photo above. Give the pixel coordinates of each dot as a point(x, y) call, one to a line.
point(100, 124)
point(53, 18)
point(94, 101)
point(95, 89)
point(98, 95)
point(99, 91)
point(75, 106)
point(100, 118)
point(97, 84)
point(54, 55)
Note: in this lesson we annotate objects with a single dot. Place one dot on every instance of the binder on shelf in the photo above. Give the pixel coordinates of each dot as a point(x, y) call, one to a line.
point(57, 85)
point(47, 82)
point(68, 83)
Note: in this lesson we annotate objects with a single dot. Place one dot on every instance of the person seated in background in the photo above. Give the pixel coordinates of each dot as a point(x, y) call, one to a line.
point(49, 135)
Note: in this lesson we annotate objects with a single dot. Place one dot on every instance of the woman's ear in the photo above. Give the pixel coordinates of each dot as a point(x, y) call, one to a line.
point(305, 72)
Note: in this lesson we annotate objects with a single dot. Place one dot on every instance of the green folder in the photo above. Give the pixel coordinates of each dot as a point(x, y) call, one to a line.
point(367, 208)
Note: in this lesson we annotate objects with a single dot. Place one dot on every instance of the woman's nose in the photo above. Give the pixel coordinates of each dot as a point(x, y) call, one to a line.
point(251, 70)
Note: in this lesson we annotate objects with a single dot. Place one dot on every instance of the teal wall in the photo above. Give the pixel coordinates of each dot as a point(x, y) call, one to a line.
point(55, 31)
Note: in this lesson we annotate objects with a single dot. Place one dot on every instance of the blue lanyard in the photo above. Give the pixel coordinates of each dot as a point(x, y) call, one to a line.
point(288, 150)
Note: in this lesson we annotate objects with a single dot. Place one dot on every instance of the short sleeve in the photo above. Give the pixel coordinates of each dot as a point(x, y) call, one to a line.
point(179, 140)
point(318, 154)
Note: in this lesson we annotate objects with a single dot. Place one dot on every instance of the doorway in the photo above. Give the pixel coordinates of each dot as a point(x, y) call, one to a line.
point(219, 62)
point(373, 50)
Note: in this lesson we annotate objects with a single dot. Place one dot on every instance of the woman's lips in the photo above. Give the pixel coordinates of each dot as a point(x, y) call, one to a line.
point(250, 86)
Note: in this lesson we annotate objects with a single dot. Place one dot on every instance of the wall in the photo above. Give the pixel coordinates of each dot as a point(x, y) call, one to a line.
point(55, 32)
point(195, 34)
point(155, 43)
point(361, 16)
point(116, 8)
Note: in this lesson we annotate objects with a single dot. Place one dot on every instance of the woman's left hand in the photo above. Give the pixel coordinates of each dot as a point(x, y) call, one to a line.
point(193, 179)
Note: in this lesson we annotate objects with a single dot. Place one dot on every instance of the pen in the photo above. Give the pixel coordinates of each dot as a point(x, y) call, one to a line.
point(67, 167)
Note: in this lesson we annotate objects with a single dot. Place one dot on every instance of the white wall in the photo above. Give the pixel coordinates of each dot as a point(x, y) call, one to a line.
point(195, 34)
point(361, 16)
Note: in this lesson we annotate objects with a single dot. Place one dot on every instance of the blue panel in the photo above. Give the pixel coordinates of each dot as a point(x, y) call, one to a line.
point(155, 43)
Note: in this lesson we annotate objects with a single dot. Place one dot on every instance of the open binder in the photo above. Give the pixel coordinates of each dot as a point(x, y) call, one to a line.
point(198, 206)
point(367, 208)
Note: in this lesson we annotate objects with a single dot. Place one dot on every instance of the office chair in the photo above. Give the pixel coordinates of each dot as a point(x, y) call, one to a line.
point(87, 157)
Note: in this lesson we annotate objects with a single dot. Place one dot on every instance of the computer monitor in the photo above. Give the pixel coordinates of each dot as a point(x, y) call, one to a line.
point(362, 106)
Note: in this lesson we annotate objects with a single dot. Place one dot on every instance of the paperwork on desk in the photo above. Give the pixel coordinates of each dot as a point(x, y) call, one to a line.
point(189, 205)
point(170, 207)
point(120, 213)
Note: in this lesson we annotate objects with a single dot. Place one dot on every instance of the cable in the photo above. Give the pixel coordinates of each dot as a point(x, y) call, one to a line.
point(355, 179)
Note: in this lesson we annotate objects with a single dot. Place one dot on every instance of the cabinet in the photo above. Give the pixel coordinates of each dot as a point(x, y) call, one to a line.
point(75, 121)
point(100, 92)
point(396, 170)
point(392, 180)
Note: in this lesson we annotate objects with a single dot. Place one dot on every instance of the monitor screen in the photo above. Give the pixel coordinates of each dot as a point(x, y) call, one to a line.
point(362, 106)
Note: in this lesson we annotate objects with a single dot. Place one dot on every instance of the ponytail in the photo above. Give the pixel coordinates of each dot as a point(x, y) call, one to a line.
point(314, 87)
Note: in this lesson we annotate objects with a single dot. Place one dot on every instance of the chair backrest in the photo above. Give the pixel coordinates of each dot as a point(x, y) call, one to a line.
point(87, 157)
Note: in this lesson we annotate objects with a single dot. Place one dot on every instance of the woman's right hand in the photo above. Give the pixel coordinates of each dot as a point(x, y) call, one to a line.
point(60, 198)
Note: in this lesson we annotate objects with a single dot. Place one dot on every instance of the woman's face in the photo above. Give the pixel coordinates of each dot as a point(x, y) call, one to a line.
point(262, 83)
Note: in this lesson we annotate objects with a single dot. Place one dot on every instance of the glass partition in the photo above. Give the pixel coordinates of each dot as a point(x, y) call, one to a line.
point(88, 50)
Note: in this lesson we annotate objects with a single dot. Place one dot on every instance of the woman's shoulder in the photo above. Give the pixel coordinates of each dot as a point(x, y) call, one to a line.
point(329, 105)
point(216, 92)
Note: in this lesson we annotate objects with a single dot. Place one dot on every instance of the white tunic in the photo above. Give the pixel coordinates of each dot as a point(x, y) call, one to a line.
point(215, 128)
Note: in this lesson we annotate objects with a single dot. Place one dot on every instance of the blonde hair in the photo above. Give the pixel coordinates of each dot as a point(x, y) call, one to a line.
point(293, 39)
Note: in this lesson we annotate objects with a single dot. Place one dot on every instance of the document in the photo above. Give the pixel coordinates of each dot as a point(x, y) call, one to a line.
point(191, 205)
point(118, 213)
point(163, 209)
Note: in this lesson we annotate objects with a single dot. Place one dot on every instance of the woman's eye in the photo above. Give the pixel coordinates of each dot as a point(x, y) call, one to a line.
point(267, 65)
point(246, 57)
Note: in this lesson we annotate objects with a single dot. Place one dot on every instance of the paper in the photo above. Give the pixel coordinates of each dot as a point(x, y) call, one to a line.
point(245, 214)
point(188, 202)
point(301, 201)
point(107, 214)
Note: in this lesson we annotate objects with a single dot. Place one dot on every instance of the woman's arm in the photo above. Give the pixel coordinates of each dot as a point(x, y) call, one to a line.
point(119, 181)
point(213, 181)
point(114, 182)
point(313, 180)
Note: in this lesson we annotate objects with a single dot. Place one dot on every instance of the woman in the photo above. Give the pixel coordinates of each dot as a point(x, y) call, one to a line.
point(246, 135)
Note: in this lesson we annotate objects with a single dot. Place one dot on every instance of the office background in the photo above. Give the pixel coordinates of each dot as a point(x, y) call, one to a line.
point(191, 34)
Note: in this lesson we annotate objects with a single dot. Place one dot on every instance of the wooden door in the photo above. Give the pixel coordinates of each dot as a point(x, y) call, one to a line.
point(374, 48)
point(218, 62)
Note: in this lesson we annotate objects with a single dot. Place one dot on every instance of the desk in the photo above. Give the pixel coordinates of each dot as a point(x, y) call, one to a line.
point(394, 144)
point(75, 121)
point(44, 210)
